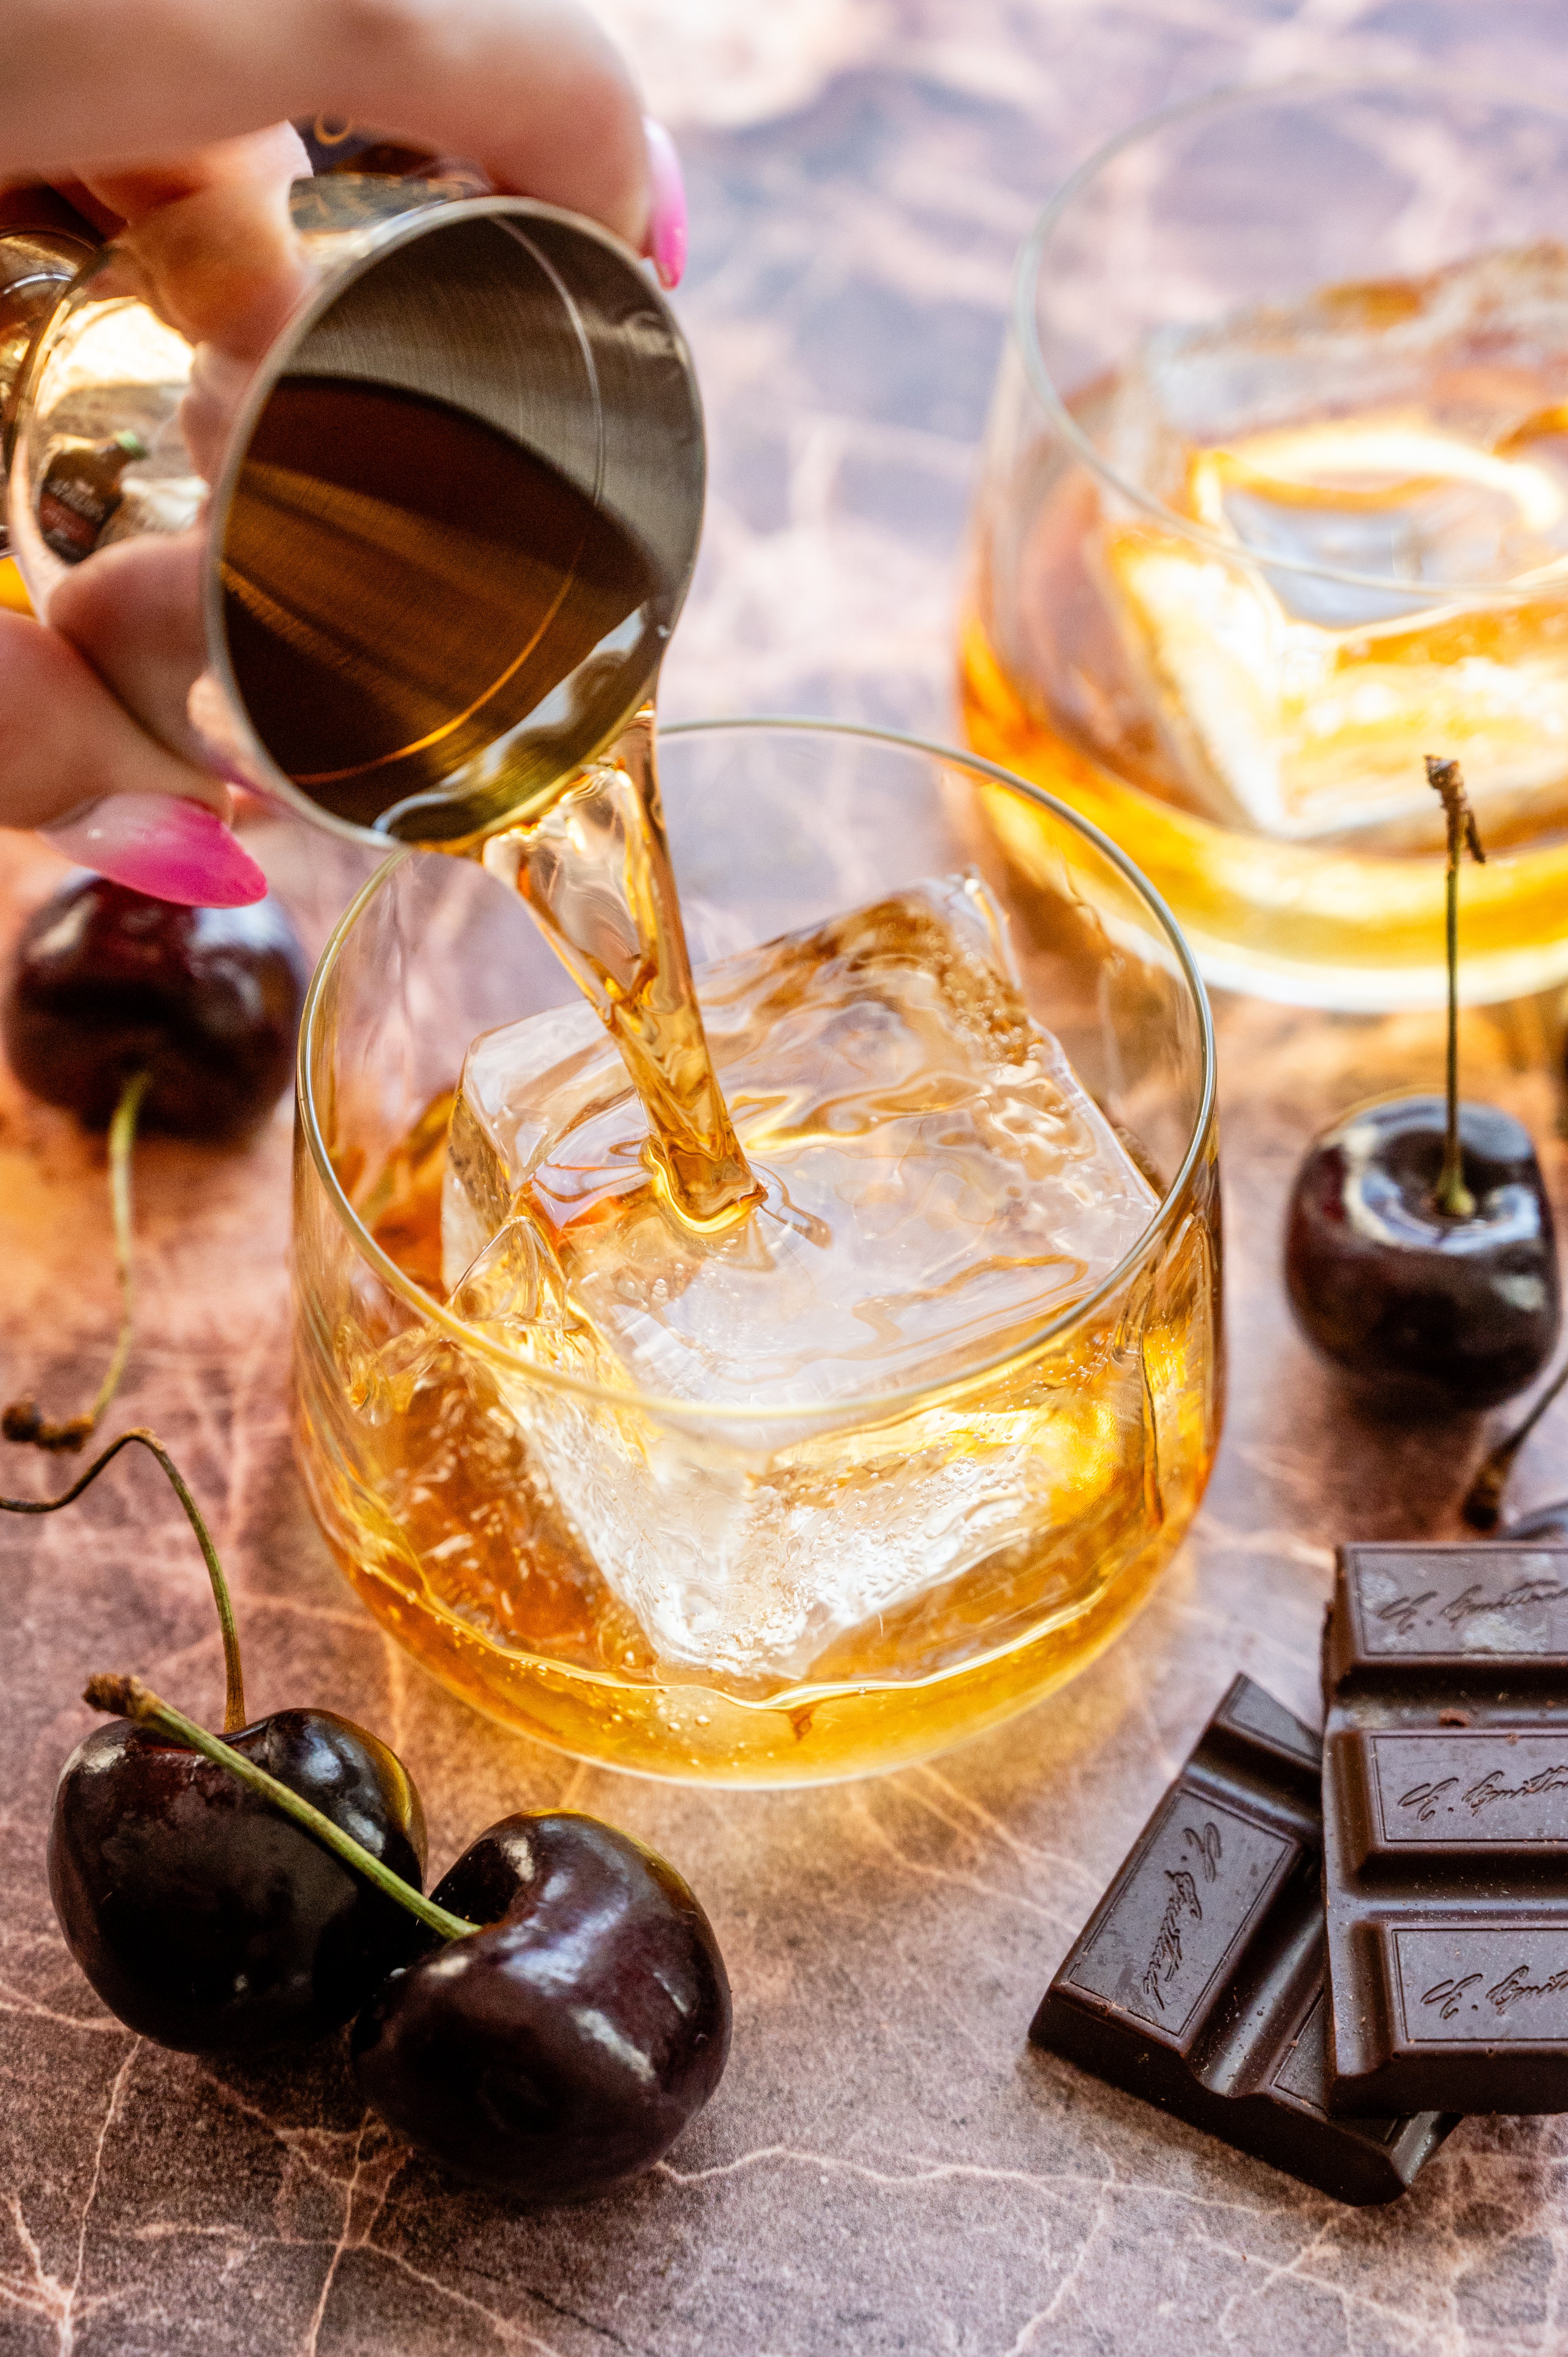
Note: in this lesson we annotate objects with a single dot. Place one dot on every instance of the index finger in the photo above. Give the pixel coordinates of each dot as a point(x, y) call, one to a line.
point(532, 91)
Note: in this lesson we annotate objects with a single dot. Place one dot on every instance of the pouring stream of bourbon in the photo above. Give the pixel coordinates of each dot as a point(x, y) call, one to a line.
point(404, 582)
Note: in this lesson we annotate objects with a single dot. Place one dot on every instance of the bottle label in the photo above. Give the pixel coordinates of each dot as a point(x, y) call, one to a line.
point(74, 507)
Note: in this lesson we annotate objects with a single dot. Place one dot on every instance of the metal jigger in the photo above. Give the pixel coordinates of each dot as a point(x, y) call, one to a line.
point(427, 563)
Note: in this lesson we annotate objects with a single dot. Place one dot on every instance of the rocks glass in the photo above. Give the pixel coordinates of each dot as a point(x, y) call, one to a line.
point(1001, 1527)
point(1275, 503)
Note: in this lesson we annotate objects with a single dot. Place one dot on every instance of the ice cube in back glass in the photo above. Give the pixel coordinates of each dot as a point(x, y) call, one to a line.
point(1413, 437)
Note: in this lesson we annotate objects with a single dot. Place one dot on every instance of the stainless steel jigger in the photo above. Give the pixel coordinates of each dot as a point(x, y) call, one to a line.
point(350, 625)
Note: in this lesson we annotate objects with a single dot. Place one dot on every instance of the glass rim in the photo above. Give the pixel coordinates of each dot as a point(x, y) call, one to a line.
point(1030, 273)
point(805, 1420)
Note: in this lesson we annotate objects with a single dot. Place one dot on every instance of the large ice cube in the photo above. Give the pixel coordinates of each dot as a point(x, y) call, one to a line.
point(939, 1186)
point(1404, 441)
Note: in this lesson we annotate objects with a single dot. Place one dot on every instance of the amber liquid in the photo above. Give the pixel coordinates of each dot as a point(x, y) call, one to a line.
point(401, 582)
point(1070, 677)
point(1282, 919)
point(417, 1452)
point(595, 872)
point(421, 1480)
point(402, 585)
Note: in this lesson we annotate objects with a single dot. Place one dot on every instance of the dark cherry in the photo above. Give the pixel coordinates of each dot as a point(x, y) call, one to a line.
point(1425, 1309)
point(106, 982)
point(561, 2049)
point(204, 1918)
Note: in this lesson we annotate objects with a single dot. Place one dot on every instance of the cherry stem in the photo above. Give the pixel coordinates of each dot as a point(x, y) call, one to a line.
point(234, 1699)
point(1452, 1196)
point(131, 1699)
point(1483, 1501)
point(22, 1420)
point(122, 1139)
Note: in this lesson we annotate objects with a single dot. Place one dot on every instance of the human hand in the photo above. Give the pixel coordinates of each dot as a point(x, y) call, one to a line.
point(152, 130)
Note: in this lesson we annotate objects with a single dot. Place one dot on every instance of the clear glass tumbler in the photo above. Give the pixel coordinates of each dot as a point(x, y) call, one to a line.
point(1076, 1460)
point(1275, 503)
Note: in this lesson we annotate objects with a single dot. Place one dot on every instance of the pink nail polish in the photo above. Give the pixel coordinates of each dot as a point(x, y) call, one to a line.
point(162, 844)
point(667, 216)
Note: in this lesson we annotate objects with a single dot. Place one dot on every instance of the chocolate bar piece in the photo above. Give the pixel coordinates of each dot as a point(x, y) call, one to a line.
point(1445, 1827)
point(1198, 1983)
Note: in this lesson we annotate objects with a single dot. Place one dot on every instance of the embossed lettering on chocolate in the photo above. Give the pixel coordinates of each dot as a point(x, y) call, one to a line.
point(1198, 1983)
point(1445, 1827)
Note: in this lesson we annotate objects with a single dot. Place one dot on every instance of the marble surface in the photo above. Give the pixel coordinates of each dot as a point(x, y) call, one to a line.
point(887, 2165)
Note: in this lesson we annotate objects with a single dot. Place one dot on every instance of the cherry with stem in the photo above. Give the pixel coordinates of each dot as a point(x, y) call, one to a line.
point(202, 1919)
point(545, 2024)
point(566, 2013)
point(134, 1015)
point(22, 1420)
point(1420, 1254)
point(127, 1697)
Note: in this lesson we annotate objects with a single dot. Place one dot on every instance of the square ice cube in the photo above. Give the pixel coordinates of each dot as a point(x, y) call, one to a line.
point(939, 1186)
point(1405, 447)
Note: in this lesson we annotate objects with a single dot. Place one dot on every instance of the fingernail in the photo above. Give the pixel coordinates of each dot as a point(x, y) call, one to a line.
point(667, 216)
point(163, 844)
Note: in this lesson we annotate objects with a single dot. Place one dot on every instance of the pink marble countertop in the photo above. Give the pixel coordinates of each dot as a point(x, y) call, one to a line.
point(888, 2166)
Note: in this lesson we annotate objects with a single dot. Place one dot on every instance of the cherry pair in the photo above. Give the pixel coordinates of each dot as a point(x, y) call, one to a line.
point(544, 2024)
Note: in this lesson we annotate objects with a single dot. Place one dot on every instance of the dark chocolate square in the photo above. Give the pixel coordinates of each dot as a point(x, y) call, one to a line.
point(1198, 1983)
point(1445, 1827)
